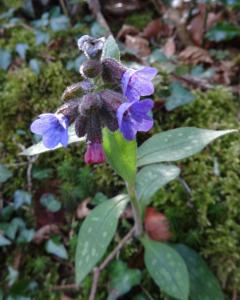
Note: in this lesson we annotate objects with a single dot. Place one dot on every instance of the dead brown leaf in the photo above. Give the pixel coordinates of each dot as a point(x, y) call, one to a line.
point(170, 47)
point(197, 26)
point(127, 30)
point(195, 55)
point(138, 44)
point(45, 232)
point(82, 209)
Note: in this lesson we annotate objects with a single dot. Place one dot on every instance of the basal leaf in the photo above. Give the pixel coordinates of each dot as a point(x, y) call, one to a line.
point(176, 144)
point(121, 154)
point(4, 241)
point(167, 268)
point(151, 178)
point(110, 49)
point(40, 148)
point(96, 234)
point(203, 284)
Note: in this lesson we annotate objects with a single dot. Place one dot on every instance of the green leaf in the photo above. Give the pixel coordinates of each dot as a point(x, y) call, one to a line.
point(5, 174)
point(4, 241)
point(176, 144)
point(21, 197)
point(122, 279)
point(179, 96)
point(35, 65)
point(40, 148)
point(25, 236)
point(56, 249)
point(167, 268)
point(203, 284)
point(96, 234)
point(5, 59)
point(223, 31)
point(50, 203)
point(110, 49)
point(13, 227)
point(21, 50)
point(151, 178)
point(121, 154)
point(59, 23)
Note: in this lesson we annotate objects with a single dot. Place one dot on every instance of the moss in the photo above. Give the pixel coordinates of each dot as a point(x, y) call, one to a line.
point(208, 218)
point(140, 20)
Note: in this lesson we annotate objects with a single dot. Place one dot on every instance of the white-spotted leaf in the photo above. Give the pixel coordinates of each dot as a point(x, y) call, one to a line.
point(203, 284)
point(151, 178)
point(40, 148)
point(96, 234)
point(167, 268)
point(176, 144)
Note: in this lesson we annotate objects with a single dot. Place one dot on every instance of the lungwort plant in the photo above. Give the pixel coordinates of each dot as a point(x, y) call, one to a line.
point(106, 111)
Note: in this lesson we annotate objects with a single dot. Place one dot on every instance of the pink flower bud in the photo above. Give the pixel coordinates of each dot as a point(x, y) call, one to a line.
point(94, 154)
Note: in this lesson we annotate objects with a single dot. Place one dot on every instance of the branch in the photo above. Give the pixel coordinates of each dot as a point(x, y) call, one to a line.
point(95, 7)
point(109, 258)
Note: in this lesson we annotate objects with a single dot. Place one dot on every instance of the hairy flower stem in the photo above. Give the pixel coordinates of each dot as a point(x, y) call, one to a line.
point(136, 209)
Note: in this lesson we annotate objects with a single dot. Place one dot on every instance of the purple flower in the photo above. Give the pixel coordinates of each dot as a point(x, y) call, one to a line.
point(133, 116)
point(53, 128)
point(94, 154)
point(137, 83)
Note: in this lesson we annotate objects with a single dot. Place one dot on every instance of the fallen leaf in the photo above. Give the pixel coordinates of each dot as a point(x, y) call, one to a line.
point(170, 47)
point(197, 25)
point(45, 232)
point(138, 44)
point(82, 209)
point(156, 225)
point(153, 29)
point(127, 30)
point(195, 55)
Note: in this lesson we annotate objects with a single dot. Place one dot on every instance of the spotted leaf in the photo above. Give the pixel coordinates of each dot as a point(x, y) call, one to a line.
point(167, 268)
point(176, 144)
point(96, 234)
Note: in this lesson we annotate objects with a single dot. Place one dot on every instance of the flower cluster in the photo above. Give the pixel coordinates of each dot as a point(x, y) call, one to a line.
point(117, 107)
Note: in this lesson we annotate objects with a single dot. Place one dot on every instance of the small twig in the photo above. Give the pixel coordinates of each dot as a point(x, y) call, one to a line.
point(64, 7)
point(65, 287)
point(234, 295)
point(146, 293)
point(109, 258)
point(95, 7)
point(196, 83)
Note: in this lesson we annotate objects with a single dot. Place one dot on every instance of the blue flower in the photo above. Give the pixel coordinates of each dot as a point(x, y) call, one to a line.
point(53, 128)
point(137, 83)
point(133, 117)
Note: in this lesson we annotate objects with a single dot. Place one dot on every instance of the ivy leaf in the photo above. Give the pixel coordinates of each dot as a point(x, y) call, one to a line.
point(40, 148)
point(50, 203)
point(223, 31)
point(25, 236)
point(5, 59)
point(41, 37)
point(13, 227)
point(151, 178)
point(176, 144)
point(35, 65)
point(21, 50)
point(203, 284)
point(4, 241)
point(96, 234)
point(122, 279)
point(121, 154)
point(167, 268)
point(21, 197)
point(56, 249)
point(59, 23)
point(110, 49)
point(5, 174)
point(179, 96)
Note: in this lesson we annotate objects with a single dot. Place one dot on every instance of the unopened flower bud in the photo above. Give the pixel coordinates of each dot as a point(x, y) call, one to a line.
point(94, 154)
point(91, 101)
point(91, 47)
point(78, 89)
point(91, 68)
point(112, 71)
point(69, 109)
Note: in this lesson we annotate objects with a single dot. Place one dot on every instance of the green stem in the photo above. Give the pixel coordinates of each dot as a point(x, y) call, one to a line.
point(136, 209)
